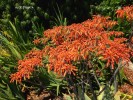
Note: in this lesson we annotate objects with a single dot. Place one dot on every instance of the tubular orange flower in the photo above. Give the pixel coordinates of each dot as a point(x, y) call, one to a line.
point(125, 12)
point(36, 41)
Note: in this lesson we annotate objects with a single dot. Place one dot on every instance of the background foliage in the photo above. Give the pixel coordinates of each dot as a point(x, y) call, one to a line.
point(23, 20)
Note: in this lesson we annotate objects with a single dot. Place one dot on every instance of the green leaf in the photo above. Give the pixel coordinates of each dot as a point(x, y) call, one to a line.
point(67, 97)
point(100, 97)
point(117, 95)
point(86, 97)
point(57, 89)
point(13, 27)
point(13, 50)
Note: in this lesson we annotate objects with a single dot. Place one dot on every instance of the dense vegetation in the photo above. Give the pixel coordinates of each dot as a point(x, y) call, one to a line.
point(69, 49)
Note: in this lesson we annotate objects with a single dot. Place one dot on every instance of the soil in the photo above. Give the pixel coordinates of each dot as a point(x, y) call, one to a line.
point(45, 95)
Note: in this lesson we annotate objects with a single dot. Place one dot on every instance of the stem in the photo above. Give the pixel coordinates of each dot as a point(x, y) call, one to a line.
point(82, 80)
point(82, 86)
point(96, 79)
point(114, 75)
point(115, 84)
point(112, 78)
point(91, 88)
point(119, 78)
point(89, 81)
point(74, 88)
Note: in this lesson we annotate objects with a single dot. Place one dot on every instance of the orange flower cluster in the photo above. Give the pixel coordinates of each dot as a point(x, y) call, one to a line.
point(27, 65)
point(74, 43)
point(113, 50)
point(100, 22)
point(125, 12)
